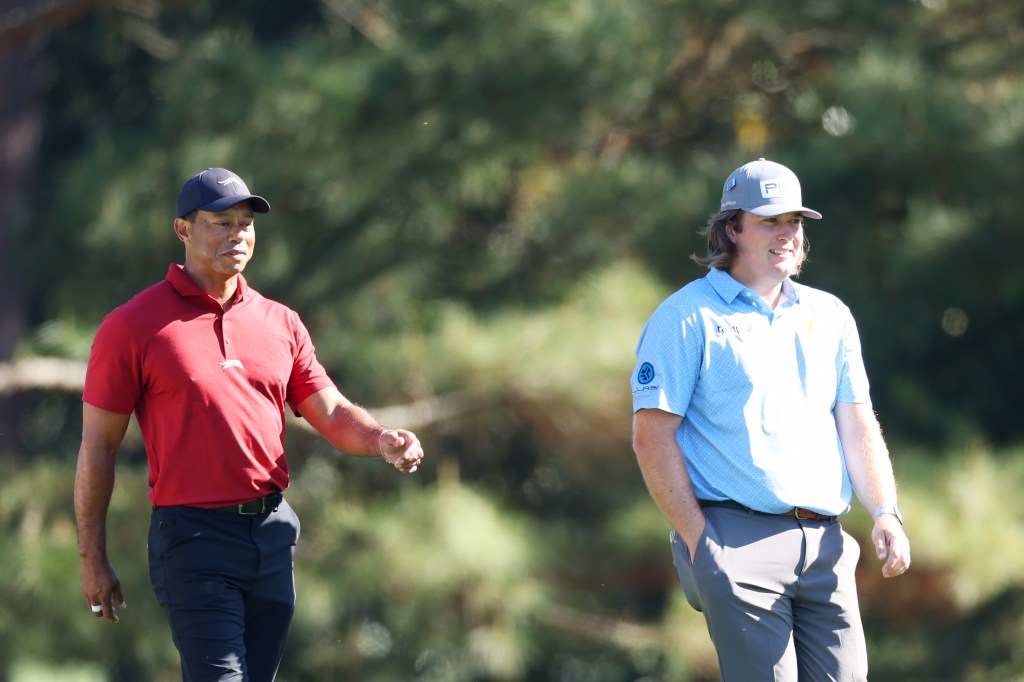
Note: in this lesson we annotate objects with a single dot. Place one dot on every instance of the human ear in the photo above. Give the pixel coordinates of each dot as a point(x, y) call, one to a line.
point(731, 228)
point(182, 229)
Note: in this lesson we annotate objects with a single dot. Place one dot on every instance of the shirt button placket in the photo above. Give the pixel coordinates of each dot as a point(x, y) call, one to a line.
point(229, 351)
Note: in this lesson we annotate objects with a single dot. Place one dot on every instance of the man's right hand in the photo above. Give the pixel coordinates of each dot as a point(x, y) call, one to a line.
point(102, 588)
point(692, 536)
point(102, 432)
point(664, 470)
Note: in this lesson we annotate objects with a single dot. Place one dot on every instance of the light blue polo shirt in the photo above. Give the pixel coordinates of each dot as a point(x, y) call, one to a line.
point(756, 389)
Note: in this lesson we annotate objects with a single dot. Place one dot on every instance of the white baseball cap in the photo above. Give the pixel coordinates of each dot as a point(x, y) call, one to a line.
point(764, 188)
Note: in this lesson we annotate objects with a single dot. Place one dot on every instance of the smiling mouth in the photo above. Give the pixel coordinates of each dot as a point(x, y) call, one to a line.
point(781, 252)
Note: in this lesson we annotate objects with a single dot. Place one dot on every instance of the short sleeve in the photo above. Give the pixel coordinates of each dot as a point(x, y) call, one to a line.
point(668, 363)
point(308, 376)
point(113, 378)
point(853, 377)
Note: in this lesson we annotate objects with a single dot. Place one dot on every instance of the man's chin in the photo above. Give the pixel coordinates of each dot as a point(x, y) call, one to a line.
point(229, 272)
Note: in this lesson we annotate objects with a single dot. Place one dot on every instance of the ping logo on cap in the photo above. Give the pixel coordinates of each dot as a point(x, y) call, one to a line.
point(773, 189)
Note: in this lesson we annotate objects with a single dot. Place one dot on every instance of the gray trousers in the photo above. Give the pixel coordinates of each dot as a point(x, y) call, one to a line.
point(778, 595)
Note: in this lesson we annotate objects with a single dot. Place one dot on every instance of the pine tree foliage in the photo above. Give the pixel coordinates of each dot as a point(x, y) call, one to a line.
point(483, 200)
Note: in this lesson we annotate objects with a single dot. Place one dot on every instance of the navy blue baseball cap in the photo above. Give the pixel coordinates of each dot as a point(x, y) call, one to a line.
point(216, 189)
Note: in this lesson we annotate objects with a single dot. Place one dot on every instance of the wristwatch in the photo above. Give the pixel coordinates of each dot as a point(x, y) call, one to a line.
point(888, 509)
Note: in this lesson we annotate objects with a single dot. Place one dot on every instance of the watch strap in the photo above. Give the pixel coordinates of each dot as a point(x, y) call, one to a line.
point(888, 509)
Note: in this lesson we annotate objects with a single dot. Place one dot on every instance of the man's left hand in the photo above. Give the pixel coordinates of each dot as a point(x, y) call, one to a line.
point(891, 545)
point(401, 449)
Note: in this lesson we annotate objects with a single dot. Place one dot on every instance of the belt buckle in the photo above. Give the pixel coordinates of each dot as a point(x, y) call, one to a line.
point(796, 514)
point(243, 512)
point(260, 506)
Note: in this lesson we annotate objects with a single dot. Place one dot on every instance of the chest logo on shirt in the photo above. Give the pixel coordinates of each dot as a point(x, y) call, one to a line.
point(646, 374)
point(228, 364)
point(735, 328)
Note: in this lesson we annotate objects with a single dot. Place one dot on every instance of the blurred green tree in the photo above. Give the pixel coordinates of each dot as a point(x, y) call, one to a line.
point(491, 154)
point(485, 199)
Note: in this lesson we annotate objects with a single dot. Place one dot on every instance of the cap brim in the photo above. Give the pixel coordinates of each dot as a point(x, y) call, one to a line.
point(259, 204)
point(771, 210)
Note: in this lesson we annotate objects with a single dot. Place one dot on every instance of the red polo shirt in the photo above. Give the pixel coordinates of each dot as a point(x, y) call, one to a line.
point(208, 387)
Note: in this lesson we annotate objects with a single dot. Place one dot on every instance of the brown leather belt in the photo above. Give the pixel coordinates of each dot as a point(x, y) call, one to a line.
point(796, 512)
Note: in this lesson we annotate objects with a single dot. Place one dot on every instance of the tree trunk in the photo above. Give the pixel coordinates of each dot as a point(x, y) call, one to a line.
point(20, 130)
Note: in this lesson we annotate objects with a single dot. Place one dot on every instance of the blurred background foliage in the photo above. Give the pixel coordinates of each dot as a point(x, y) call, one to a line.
point(476, 205)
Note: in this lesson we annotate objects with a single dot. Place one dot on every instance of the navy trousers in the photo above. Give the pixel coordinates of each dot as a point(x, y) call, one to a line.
point(226, 584)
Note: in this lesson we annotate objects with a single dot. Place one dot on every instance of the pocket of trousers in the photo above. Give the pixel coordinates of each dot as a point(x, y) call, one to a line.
point(684, 568)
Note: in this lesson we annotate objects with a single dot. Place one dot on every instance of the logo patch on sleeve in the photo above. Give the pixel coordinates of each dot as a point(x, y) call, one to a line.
point(645, 374)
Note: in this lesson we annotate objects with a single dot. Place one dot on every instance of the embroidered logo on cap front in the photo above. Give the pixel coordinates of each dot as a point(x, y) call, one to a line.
point(772, 189)
point(229, 181)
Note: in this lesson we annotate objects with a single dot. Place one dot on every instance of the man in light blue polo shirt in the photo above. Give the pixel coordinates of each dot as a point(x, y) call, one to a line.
point(753, 429)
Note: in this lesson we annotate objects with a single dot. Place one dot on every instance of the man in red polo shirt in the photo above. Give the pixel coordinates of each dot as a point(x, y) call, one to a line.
point(208, 366)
